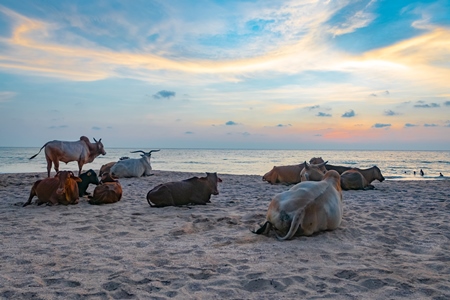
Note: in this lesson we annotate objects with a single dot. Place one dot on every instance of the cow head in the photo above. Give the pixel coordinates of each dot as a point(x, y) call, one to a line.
point(99, 145)
point(90, 177)
point(313, 172)
point(316, 160)
point(64, 178)
point(213, 179)
point(377, 174)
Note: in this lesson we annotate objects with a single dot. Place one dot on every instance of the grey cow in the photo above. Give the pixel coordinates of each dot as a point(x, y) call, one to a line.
point(194, 190)
point(133, 167)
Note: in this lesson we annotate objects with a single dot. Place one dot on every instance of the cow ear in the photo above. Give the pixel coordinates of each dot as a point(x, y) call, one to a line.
point(219, 179)
point(89, 173)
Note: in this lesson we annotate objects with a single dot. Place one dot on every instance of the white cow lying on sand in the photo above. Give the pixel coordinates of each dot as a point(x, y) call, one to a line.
point(306, 208)
point(133, 167)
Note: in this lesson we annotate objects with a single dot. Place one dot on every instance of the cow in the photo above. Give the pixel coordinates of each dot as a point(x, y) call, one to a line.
point(88, 177)
point(313, 172)
point(284, 174)
point(316, 160)
point(61, 189)
point(194, 190)
point(108, 191)
point(305, 208)
point(82, 151)
point(352, 179)
point(133, 167)
point(339, 169)
point(370, 174)
point(106, 168)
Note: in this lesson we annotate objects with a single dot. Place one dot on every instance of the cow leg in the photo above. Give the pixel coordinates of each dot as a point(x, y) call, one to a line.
point(49, 165)
point(32, 193)
point(56, 166)
point(80, 166)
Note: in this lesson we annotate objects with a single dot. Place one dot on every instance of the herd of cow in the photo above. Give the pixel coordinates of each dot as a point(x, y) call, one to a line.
point(313, 204)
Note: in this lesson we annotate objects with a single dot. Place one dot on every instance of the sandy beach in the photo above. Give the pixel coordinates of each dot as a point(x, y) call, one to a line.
point(393, 243)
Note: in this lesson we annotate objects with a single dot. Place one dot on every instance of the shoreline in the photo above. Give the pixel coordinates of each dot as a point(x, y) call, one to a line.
point(393, 243)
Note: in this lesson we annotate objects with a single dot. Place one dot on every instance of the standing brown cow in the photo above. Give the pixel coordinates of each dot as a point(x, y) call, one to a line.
point(194, 190)
point(61, 189)
point(82, 151)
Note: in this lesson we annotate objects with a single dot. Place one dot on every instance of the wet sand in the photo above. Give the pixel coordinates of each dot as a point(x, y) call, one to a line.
point(393, 243)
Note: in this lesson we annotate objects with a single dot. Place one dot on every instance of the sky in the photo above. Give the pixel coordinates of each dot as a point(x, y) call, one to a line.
point(304, 74)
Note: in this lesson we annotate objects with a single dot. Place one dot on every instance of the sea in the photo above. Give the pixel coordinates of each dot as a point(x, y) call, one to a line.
point(394, 165)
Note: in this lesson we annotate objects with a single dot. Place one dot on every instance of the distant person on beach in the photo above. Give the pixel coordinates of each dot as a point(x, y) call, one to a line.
point(414, 173)
point(421, 172)
point(440, 175)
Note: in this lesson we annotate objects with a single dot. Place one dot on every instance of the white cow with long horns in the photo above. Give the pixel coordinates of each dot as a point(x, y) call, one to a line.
point(133, 167)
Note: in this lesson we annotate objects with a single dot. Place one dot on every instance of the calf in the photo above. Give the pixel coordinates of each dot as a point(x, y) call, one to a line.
point(61, 189)
point(306, 208)
point(194, 190)
point(86, 179)
point(108, 191)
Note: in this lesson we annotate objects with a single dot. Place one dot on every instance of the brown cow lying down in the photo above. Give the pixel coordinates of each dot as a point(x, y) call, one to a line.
point(352, 179)
point(284, 174)
point(61, 189)
point(306, 208)
point(194, 190)
point(108, 191)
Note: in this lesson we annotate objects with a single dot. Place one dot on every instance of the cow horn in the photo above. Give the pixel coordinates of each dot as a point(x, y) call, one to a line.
point(138, 151)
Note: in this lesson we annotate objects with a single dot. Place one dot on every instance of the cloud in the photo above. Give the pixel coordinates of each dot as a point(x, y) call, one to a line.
point(422, 104)
point(231, 123)
point(390, 113)
point(188, 132)
point(312, 107)
point(447, 103)
point(410, 125)
point(283, 125)
point(358, 19)
point(95, 128)
point(385, 93)
point(59, 127)
point(430, 125)
point(349, 114)
point(164, 94)
point(381, 125)
point(322, 114)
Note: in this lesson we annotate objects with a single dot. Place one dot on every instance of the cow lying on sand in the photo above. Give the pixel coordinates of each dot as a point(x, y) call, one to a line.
point(194, 190)
point(108, 191)
point(352, 179)
point(284, 174)
point(306, 208)
point(87, 178)
point(61, 189)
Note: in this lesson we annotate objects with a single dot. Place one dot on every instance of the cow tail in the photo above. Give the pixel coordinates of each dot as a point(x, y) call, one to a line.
point(263, 229)
point(298, 219)
point(39, 151)
point(150, 202)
